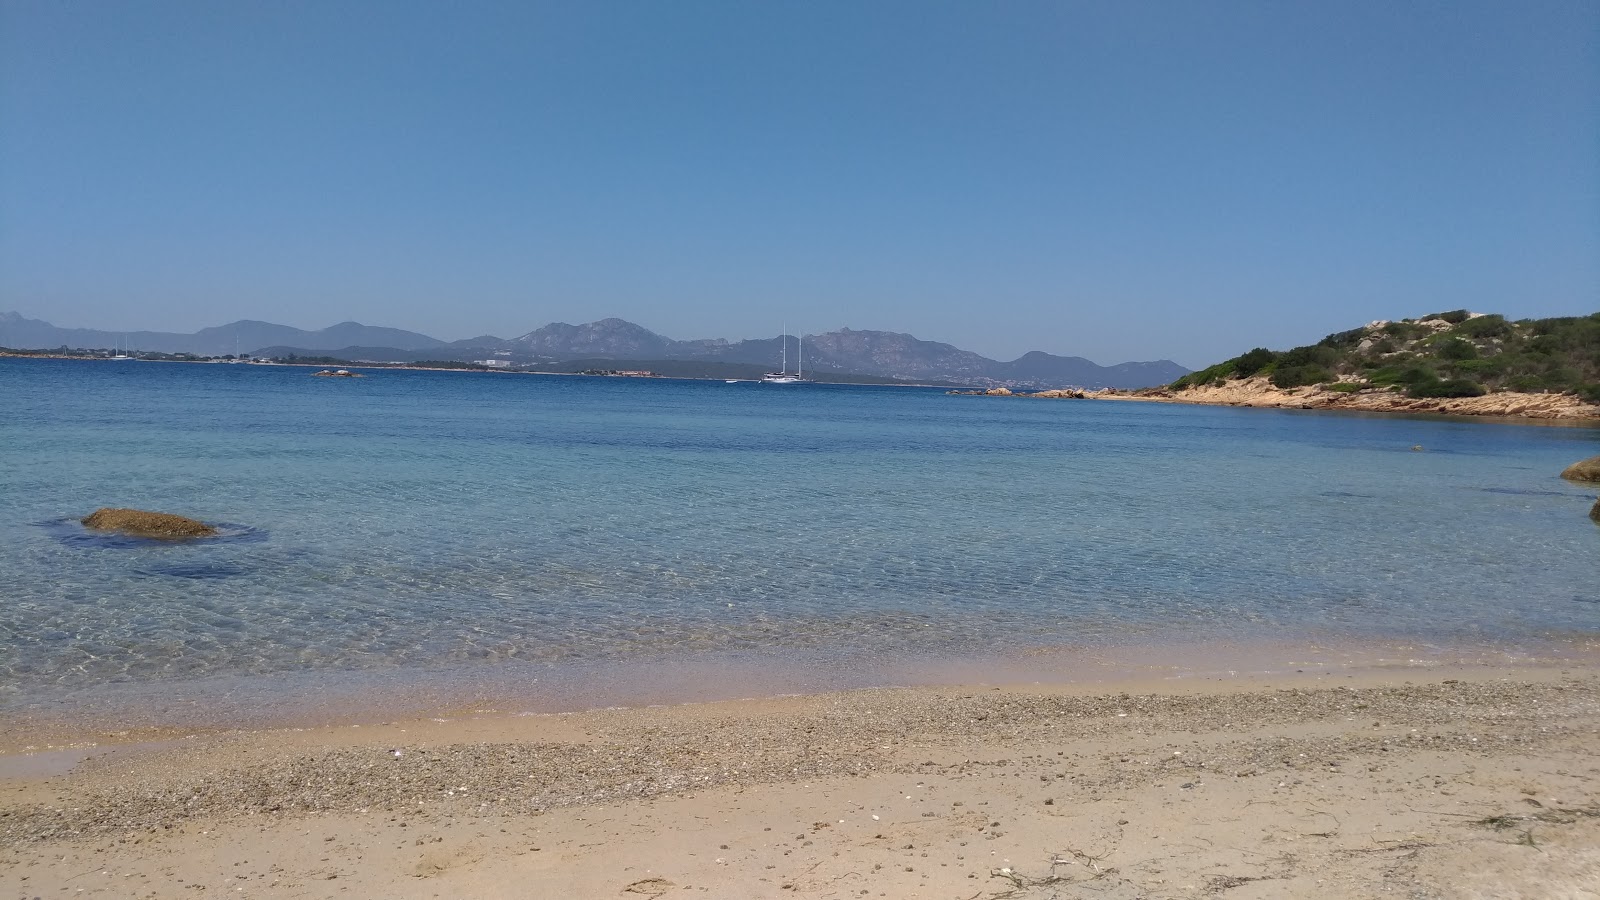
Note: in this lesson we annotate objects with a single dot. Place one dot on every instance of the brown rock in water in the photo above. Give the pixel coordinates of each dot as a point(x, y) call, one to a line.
point(1595, 513)
point(997, 392)
point(139, 523)
point(1588, 470)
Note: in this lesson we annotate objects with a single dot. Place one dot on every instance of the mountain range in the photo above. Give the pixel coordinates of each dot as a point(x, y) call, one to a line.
point(242, 336)
point(831, 356)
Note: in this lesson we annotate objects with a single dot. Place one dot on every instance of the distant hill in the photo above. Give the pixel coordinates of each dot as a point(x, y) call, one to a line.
point(1449, 354)
point(861, 355)
point(884, 354)
point(243, 336)
point(605, 339)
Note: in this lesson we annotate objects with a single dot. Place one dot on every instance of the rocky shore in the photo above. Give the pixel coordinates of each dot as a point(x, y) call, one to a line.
point(1259, 392)
point(1473, 783)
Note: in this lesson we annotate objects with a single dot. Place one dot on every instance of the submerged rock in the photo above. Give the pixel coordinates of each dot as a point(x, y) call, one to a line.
point(1595, 513)
point(1588, 470)
point(140, 523)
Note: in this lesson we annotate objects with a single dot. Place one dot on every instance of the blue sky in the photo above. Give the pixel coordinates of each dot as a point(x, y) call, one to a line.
point(1116, 180)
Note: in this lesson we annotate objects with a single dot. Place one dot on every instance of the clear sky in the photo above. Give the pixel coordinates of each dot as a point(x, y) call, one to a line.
point(1117, 180)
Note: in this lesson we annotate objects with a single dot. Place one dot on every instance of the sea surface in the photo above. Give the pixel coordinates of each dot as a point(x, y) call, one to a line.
point(411, 530)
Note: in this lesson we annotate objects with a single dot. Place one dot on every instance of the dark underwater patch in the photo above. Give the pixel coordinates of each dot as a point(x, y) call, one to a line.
point(200, 571)
point(1526, 492)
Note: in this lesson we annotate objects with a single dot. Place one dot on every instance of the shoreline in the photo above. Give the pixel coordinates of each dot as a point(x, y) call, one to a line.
point(1259, 393)
point(112, 714)
point(380, 367)
point(1458, 781)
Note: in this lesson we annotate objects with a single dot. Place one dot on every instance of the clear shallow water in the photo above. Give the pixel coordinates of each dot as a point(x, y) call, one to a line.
point(411, 523)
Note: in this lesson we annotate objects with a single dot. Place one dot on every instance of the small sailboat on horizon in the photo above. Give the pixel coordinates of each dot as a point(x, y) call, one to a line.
point(782, 376)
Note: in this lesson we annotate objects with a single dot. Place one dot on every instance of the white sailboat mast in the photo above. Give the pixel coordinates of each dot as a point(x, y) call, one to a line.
point(784, 369)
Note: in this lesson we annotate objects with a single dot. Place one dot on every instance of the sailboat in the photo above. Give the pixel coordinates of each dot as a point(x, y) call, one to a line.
point(782, 376)
point(122, 352)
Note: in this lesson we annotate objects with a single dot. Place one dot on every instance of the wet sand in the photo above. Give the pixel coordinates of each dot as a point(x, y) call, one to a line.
point(1426, 781)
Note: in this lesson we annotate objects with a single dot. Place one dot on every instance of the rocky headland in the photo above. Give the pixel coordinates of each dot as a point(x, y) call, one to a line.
point(1260, 392)
point(1457, 362)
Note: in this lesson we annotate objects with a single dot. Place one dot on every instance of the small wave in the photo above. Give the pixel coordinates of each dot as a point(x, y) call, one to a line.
point(1526, 492)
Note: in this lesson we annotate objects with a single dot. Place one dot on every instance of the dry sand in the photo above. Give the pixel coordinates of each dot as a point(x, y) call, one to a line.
point(1479, 782)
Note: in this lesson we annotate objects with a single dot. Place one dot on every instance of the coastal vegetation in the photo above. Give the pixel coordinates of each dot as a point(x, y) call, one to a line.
point(1448, 354)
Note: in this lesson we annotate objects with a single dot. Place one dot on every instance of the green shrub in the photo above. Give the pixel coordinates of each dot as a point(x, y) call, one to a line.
point(1416, 374)
point(1299, 376)
point(1384, 375)
point(1479, 367)
point(1250, 363)
point(1345, 387)
point(1214, 375)
point(1454, 316)
point(1484, 327)
point(1457, 349)
point(1312, 355)
point(1404, 331)
point(1455, 387)
point(1340, 340)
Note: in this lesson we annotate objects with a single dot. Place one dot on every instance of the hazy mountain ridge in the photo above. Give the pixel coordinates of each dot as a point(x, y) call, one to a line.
point(244, 336)
point(881, 354)
point(884, 354)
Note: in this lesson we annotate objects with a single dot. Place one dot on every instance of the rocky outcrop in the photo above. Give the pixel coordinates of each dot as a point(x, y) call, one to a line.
point(1259, 392)
point(1595, 513)
point(1587, 470)
point(139, 523)
point(1058, 394)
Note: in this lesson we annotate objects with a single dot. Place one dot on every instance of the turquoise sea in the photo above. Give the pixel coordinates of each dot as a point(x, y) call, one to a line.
point(419, 531)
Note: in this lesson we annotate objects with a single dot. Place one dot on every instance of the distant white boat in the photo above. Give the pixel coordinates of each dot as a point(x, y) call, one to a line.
point(782, 376)
point(732, 381)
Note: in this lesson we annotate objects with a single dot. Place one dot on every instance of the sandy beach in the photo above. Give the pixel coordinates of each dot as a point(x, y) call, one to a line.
point(1400, 781)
